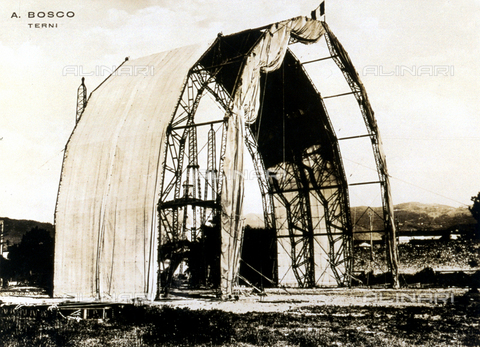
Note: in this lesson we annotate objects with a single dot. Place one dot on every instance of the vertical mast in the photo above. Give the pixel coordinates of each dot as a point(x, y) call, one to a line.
point(81, 99)
point(1, 237)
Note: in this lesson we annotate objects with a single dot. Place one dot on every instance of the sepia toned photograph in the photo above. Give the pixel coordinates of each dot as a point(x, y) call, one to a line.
point(239, 173)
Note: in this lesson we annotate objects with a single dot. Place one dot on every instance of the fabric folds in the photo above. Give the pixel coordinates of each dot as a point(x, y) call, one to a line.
point(266, 56)
point(105, 219)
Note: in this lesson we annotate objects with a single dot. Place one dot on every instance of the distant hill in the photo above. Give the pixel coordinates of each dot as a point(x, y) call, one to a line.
point(254, 220)
point(14, 229)
point(415, 216)
point(434, 217)
point(411, 216)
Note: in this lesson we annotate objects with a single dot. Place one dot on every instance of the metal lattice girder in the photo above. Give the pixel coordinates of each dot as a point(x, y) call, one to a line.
point(211, 182)
point(298, 218)
point(81, 99)
point(182, 131)
point(313, 192)
point(309, 181)
point(324, 177)
point(262, 177)
point(314, 178)
point(181, 190)
point(344, 63)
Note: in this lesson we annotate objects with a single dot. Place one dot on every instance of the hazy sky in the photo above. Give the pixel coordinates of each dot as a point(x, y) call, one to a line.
point(429, 119)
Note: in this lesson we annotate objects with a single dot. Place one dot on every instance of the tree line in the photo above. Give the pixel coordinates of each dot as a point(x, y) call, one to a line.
point(30, 262)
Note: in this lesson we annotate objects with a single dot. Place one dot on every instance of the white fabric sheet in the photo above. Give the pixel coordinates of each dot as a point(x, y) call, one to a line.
point(266, 56)
point(106, 220)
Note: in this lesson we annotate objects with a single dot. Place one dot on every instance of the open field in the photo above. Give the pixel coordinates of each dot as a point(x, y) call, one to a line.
point(320, 317)
point(436, 306)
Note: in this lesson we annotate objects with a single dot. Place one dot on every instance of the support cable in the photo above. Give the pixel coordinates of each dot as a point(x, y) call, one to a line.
point(283, 108)
point(260, 114)
point(258, 272)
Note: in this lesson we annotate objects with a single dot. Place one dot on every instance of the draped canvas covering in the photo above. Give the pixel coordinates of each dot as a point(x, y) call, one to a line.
point(106, 221)
point(266, 56)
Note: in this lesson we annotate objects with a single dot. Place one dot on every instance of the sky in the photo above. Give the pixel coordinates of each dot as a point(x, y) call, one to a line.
point(428, 115)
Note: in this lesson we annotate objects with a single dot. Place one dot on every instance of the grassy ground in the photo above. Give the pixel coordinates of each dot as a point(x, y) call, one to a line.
point(316, 317)
point(450, 324)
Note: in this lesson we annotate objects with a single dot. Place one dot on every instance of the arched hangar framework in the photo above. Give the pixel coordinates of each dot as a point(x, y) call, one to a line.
point(194, 167)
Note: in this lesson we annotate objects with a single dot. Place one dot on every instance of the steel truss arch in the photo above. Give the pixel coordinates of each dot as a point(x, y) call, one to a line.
point(173, 204)
point(182, 130)
point(310, 194)
point(308, 206)
point(342, 60)
point(263, 179)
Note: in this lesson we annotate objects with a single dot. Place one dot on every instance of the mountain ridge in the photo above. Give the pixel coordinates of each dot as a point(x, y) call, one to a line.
point(14, 229)
point(410, 216)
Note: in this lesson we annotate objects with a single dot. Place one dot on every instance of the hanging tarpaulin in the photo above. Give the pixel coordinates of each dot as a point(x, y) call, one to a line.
point(105, 220)
point(266, 56)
